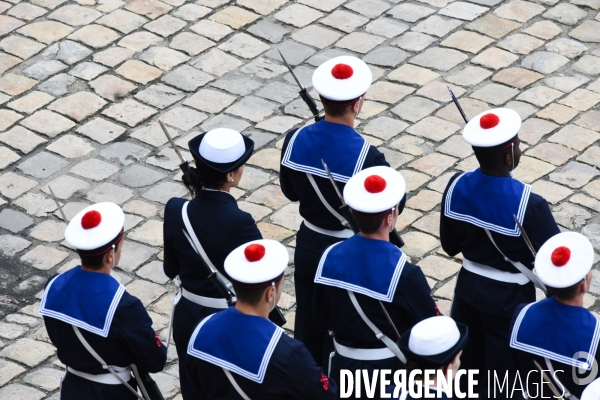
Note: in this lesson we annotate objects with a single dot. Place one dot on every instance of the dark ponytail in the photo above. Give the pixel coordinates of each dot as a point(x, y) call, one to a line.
point(195, 180)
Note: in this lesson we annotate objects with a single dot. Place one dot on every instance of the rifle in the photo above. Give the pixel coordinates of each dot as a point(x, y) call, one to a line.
point(460, 110)
point(226, 289)
point(344, 208)
point(310, 102)
point(395, 237)
point(62, 213)
point(185, 165)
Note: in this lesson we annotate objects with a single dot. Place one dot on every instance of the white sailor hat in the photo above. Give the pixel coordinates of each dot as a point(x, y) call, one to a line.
point(257, 264)
point(222, 149)
point(374, 190)
point(565, 259)
point(492, 130)
point(434, 342)
point(95, 229)
point(342, 79)
point(592, 391)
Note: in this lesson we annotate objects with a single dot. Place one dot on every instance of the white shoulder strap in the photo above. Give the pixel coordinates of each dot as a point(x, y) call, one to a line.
point(566, 394)
point(104, 365)
point(523, 269)
point(336, 214)
point(235, 385)
point(386, 340)
point(203, 255)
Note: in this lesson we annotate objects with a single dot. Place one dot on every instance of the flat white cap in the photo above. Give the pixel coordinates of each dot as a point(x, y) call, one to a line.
point(222, 145)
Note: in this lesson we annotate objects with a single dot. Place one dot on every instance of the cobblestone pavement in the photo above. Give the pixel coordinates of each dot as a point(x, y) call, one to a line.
point(82, 85)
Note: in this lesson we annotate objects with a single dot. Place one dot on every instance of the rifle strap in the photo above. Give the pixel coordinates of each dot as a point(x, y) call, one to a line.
point(522, 269)
point(104, 365)
point(390, 344)
point(336, 214)
point(235, 385)
point(203, 255)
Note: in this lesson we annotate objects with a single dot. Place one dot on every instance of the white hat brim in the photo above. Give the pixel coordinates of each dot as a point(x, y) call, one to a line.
point(359, 199)
point(111, 224)
point(272, 265)
point(578, 266)
point(507, 128)
point(342, 89)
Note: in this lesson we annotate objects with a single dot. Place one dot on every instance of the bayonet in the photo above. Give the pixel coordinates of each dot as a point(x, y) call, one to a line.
point(456, 103)
point(337, 190)
point(395, 237)
point(310, 102)
point(525, 237)
point(185, 165)
point(62, 213)
point(344, 207)
point(387, 315)
point(553, 388)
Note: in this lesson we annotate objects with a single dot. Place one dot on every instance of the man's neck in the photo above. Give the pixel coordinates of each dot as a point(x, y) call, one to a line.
point(495, 171)
point(347, 120)
point(382, 234)
point(576, 301)
point(106, 268)
point(248, 309)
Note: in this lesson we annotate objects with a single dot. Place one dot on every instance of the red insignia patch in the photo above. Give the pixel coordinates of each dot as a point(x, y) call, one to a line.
point(325, 381)
point(437, 311)
point(158, 342)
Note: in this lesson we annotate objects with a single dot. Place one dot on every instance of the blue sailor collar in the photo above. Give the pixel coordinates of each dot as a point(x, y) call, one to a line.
point(488, 202)
point(534, 332)
point(82, 298)
point(366, 266)
point(346, 150)
point(217, 340)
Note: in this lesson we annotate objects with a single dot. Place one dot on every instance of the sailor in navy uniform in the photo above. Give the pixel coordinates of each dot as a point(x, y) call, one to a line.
point(558, 332)
point(477, 219)
point(239, 353)
point(86, 304)
point(341, 83)
point(435, 343)
point(212, 218)
point(359, 277)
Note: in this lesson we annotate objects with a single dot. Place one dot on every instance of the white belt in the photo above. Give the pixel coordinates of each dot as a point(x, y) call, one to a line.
point(494, 273)
point(343, 234)
point(107, 379)
point(205, 301)
point(363, 354)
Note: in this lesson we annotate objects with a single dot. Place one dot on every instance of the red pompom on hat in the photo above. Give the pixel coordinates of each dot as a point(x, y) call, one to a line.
point(254, 252)
point(560, 256)
point(91, 219)
point(342, 71)
point(489, 121)
point(375, 184)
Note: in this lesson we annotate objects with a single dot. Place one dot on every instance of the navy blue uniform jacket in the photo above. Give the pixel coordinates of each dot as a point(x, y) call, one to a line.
point(487, 295)
point(292, 374)
point(131, 340)
point(220, 226)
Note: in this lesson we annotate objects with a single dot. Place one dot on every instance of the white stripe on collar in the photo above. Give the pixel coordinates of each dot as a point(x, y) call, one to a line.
point(515, 344)
point(486, 225)
point(78, 323)
point(319, 171)
point(388, 297)
point(259, 377)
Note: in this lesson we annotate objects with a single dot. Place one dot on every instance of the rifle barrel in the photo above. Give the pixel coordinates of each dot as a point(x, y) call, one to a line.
point(457, 104)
